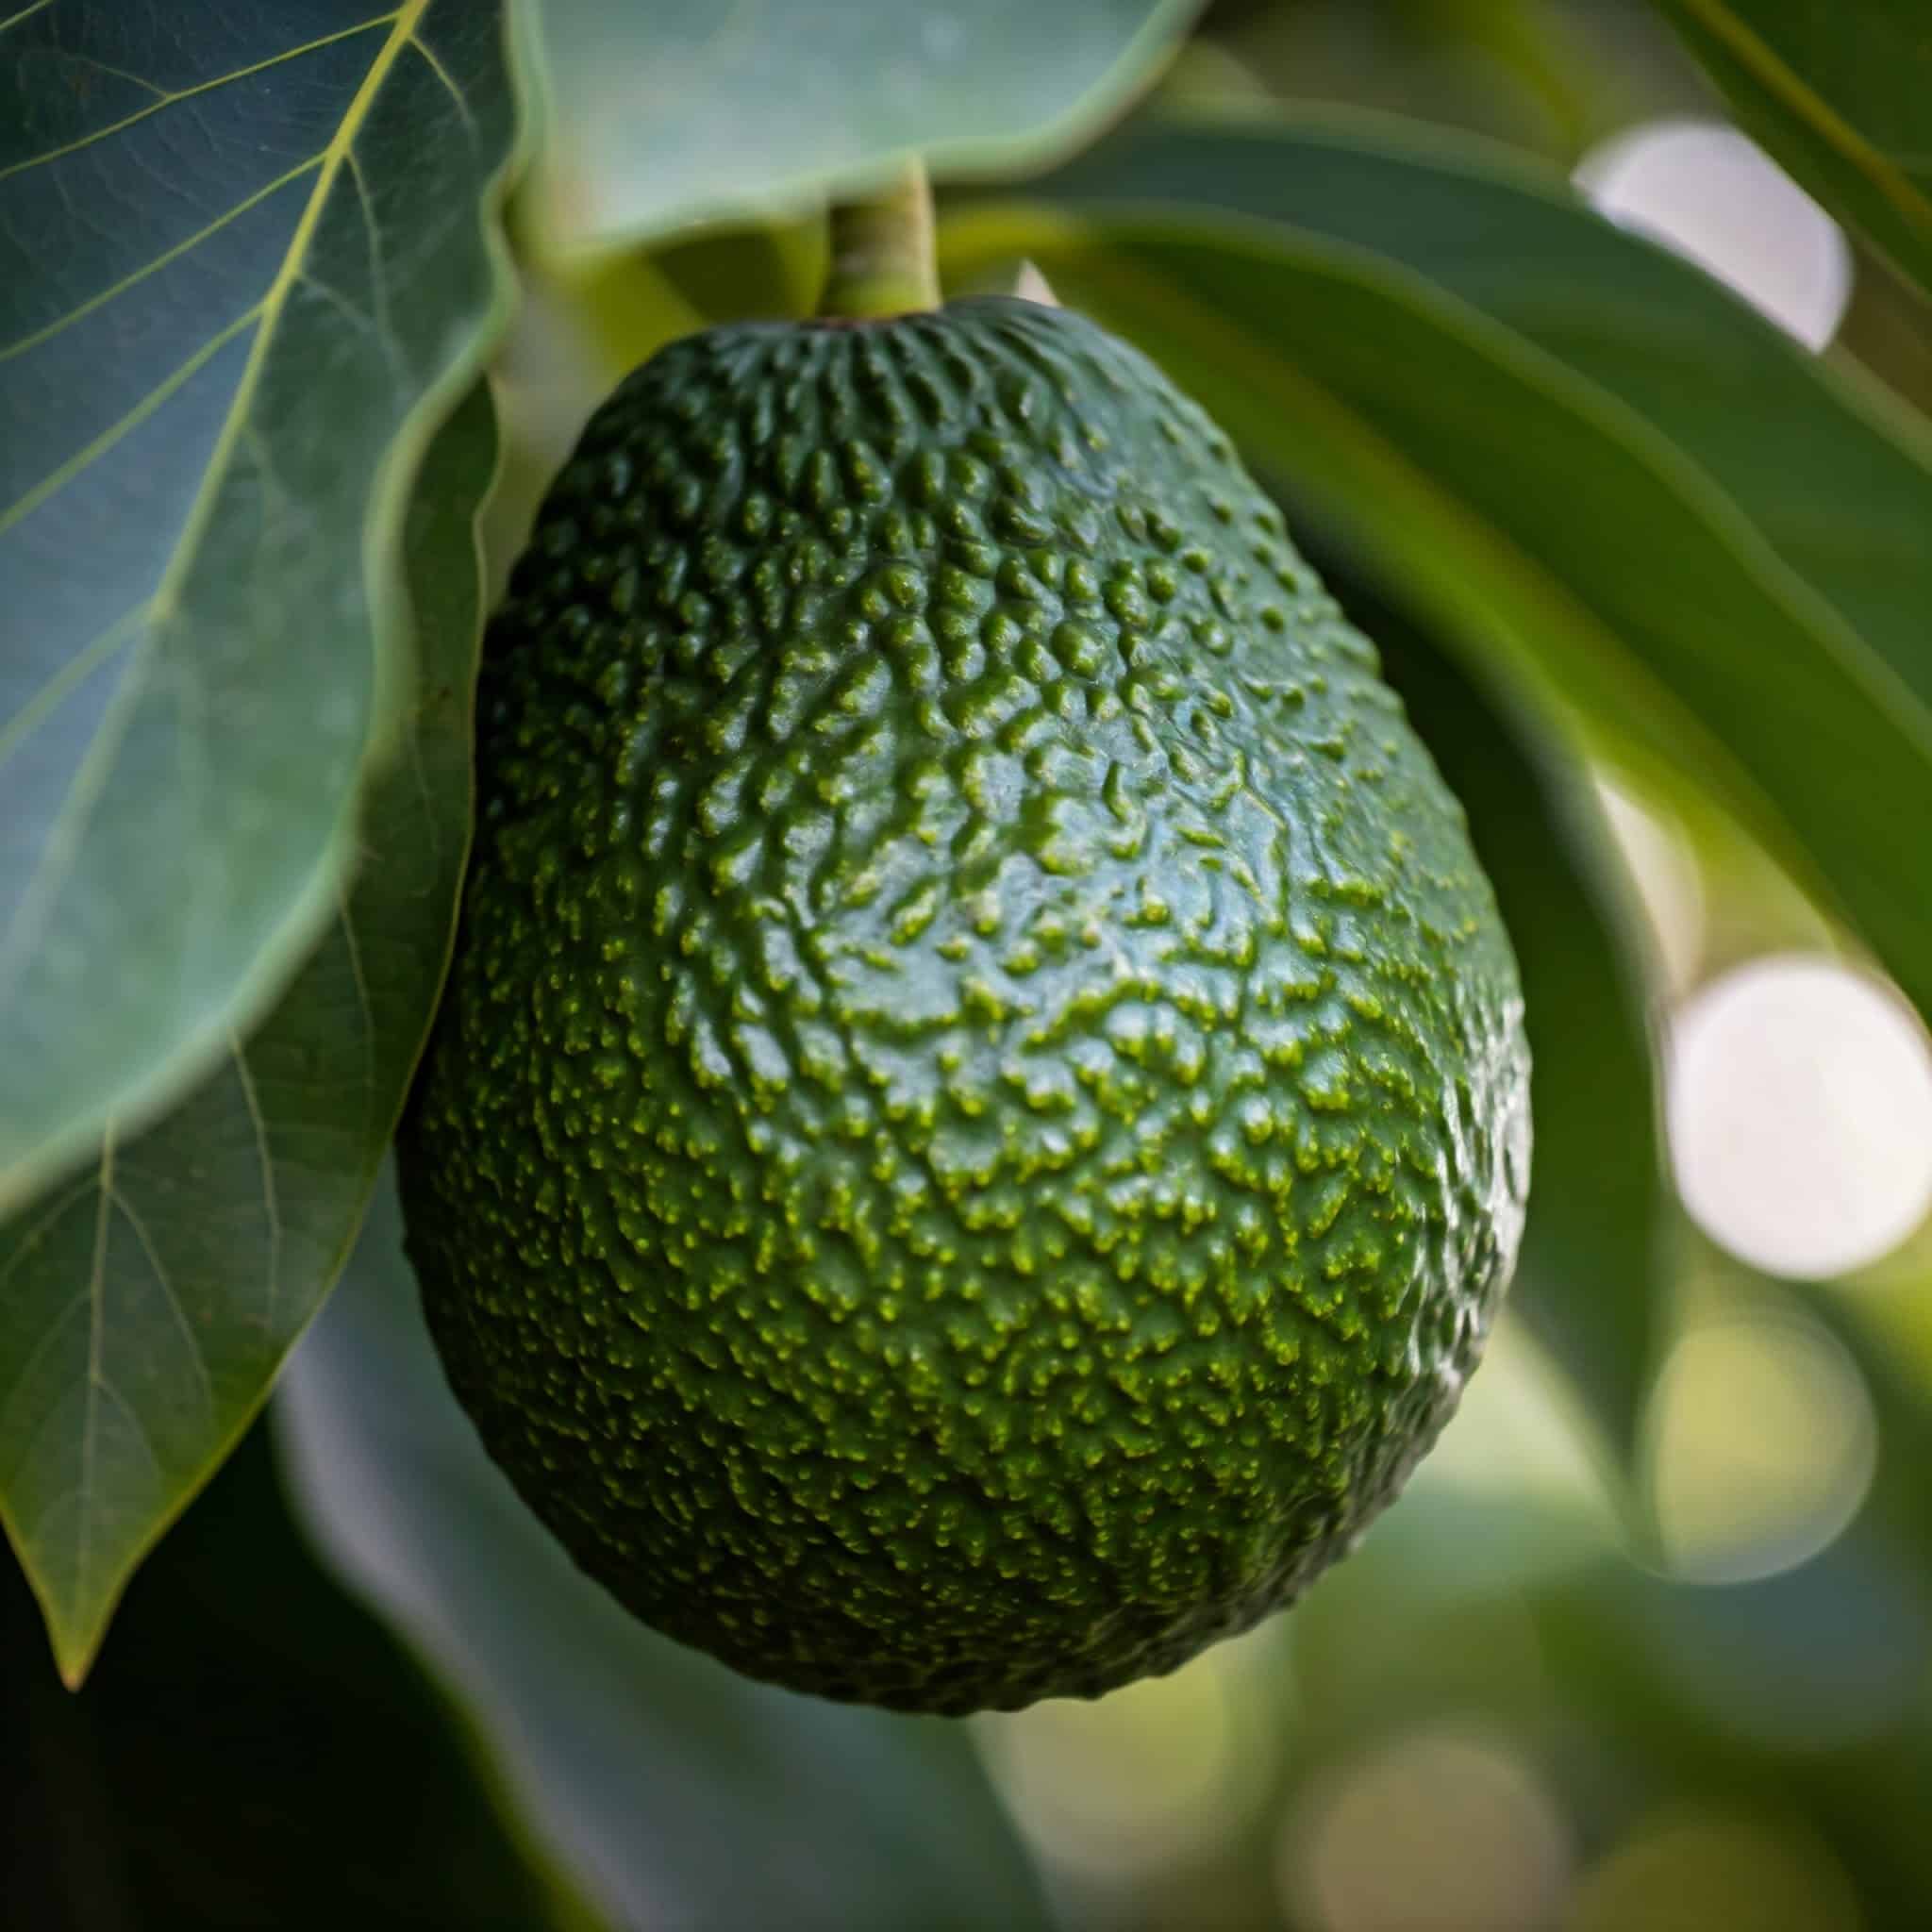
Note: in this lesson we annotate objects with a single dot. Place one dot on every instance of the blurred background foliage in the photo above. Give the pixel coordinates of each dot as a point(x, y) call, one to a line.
point(1647, 1645)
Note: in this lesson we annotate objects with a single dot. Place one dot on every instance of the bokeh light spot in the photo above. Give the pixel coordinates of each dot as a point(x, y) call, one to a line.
point(1801, 1116)
point(1762, 1445)
point(1715, 197)
point(1697, 1873)
point(1145, 1778)
point(1441, 1831)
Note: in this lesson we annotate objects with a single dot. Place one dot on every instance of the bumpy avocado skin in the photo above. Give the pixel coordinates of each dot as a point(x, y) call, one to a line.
point(980, 1116)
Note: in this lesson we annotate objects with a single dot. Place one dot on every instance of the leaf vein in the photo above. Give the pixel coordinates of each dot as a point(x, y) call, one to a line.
point(65, 836)
point(432, 822)
point(169, 1293)
point(357, 318)
point(378, 282)
point(42, 890)
point(188, 93)
point(28, 12)
point(271, 1202)
point(47, 700)
point(142, 1433)
point(49, 1335)
point(355, 952)
point(442, 74)
point(119, 73)
point(96, 1296)
point(160, 261)
point(57, 479)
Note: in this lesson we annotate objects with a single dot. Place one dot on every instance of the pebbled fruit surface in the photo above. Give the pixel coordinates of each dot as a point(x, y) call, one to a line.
point(980, 1114)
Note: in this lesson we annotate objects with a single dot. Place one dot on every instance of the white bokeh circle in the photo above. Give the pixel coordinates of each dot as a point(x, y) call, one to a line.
point(1713, 196)
point(1800, 1103)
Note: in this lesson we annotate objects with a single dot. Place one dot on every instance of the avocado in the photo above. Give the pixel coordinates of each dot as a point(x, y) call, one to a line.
point(979, 1119)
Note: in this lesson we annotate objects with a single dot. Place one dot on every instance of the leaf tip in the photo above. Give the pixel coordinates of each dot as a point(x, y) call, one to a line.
point(74, 1650)
point(77, 1645)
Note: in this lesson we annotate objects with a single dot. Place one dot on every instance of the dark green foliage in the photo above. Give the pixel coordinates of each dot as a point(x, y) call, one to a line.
point(255, 1751)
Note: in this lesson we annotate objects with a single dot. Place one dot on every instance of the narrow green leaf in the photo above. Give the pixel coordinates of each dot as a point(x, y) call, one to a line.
point(1536, 512)
point(1841, 95)
point(146, 1302)
point(676, 1792)
point(247, 259)
point(687, 110)
point(1599, 1248)
point(257, 1750)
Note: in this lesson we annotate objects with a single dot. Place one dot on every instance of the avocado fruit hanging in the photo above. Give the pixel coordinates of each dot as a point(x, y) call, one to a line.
point(979, 1119)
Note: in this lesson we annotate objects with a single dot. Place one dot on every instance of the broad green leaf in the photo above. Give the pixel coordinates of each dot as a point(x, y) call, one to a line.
point(146, 1302)
point(1841, 94)
point(676, 1792)
point(257, 1750)
point(689, 109)
point(1604, 567)
point(1593, 1279)
point(246, 262)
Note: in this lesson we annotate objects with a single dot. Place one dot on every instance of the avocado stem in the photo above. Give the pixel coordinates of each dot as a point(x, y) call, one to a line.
point(883, 259)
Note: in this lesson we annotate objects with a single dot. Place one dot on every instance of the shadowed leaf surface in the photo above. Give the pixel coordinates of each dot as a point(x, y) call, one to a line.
point(257, 1750)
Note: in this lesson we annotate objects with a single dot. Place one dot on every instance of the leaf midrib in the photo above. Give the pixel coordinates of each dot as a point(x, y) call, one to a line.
point(334, 154)
point(167, 97)
point(164, 602)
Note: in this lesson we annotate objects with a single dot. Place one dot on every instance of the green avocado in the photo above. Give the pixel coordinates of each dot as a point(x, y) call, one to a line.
point(980, 1116)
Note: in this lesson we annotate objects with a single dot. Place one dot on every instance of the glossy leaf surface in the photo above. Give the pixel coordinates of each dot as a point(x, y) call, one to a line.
point(687, 111)
point(146, 1302)
point(246, 262)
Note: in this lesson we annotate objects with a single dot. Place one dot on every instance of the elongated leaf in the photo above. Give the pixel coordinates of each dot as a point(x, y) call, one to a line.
point(1841, 95)
point(245, 263)
point(1598, 1249)
point(257, 1750)
point(678, 1794)
point(688, 109)
point(1526, 503)
point(146, 1302)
